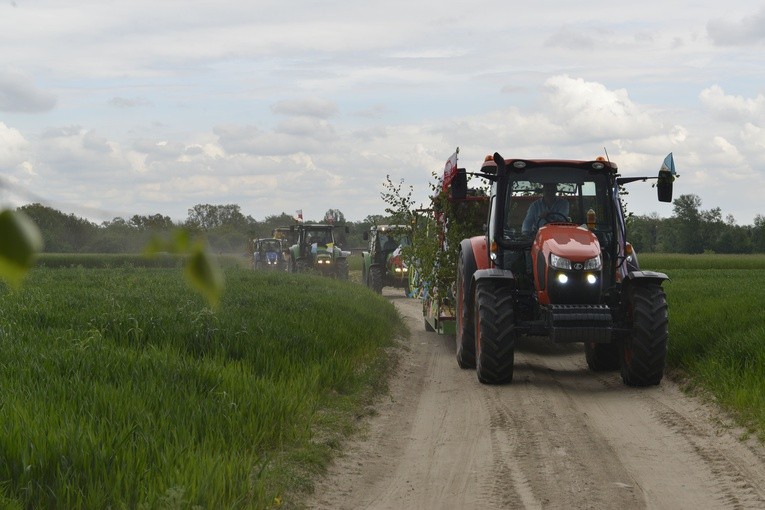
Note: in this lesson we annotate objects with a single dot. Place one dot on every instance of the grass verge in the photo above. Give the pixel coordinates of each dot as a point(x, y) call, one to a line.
point(120, 388)
point(717, 328)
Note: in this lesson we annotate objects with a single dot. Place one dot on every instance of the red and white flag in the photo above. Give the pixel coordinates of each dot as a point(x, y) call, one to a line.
point(299, 215)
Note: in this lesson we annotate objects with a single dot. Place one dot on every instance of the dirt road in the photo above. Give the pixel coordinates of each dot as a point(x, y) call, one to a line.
point(560, 436)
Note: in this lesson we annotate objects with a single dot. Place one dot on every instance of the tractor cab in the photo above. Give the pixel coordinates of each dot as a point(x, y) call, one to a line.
point(558, 229)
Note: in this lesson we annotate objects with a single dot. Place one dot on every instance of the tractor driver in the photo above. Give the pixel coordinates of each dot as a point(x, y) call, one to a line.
point(549, 208)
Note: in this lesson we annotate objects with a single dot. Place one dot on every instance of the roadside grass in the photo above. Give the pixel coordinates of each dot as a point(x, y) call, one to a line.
point(120, 388)
point(116, 260)
point(717, 328)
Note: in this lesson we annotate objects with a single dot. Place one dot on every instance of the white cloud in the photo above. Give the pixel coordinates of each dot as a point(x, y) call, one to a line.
point(732, 108)
point(311, 106)
point(590, 110)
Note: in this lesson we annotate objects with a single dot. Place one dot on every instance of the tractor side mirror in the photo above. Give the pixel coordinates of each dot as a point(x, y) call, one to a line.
point(664, 186)
point(366, 236)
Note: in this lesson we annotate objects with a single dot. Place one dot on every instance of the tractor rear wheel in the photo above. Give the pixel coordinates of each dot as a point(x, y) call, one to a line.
point(374, 279)
point(466, 266)
point(643, 351)
point(494, 333)
point(601, 357)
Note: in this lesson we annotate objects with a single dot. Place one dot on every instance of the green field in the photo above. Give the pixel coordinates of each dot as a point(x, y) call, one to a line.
point(717, 327)
point(120, 388)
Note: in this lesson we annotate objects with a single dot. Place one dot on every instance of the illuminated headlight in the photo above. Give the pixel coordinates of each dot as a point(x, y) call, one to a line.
point(592, 279)
point(562, 278)
point(559, 262)
point(593, 264)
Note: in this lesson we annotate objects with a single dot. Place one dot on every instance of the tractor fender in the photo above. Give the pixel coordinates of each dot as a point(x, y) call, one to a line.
point(476, 258)
point(366, 258)
point(645, 276)
point(480, 251)
point(493, 274)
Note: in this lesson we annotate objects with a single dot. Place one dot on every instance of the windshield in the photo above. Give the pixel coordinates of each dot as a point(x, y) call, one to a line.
point(270, 245)
point(557, 195)
point(319, 237)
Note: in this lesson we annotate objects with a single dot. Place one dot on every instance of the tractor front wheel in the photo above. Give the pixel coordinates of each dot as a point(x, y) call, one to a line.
point(342, 269)
point(374, 279)
point(643, 351)
point(494, 333)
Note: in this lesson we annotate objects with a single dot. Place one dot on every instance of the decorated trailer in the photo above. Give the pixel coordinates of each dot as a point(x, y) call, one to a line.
point(456, 211)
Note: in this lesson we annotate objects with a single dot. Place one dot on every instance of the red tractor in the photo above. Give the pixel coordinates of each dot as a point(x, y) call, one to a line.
point(554, 262)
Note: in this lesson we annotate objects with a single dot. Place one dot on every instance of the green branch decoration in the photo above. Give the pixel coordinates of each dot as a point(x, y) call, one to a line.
point(20, 241)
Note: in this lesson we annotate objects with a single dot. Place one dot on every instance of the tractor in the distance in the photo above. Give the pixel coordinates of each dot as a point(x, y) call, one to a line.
point(383, 263)
point(315, 250)
point(556, 263)
point(268, 253)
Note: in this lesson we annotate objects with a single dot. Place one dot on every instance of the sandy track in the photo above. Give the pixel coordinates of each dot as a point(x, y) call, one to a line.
point(560, 436)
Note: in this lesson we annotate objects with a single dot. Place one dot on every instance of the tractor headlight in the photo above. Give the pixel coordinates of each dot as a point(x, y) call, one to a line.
point(593, 264)
point(559, 262)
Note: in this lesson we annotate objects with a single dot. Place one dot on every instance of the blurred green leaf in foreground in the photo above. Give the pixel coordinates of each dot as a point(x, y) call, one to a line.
point(20, 240)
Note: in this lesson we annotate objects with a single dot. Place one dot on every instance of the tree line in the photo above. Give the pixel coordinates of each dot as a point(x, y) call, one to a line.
point(691, 229)
point(224, 227)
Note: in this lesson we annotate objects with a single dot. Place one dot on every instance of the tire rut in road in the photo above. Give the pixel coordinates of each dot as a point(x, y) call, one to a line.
point(731, 476)
point(564, 460)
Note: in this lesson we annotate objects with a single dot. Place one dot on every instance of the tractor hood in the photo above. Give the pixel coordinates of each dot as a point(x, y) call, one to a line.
point(573, 242)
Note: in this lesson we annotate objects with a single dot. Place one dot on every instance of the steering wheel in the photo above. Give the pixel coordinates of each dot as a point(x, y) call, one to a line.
point(550, 217)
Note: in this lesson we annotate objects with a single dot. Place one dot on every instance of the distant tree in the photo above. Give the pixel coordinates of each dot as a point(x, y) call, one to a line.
point(758, 234)
point(643, 232)
point(376, 219)
point(686, 209)
point(207, 217)
point(733, 238)
point(62, 233)
point(154, 222)
point(334, 217)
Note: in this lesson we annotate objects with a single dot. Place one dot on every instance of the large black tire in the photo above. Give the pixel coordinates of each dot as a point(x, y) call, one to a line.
point(643, 351)
point(465, 340)
point(342, 269)
point(494, 332)
point(374, 279)
point(602, 357)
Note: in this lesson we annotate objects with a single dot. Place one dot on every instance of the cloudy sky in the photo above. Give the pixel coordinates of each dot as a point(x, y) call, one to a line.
point(114, 107)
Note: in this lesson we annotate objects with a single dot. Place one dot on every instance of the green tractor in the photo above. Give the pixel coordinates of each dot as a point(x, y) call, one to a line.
point(383, 263)
point(315, 250)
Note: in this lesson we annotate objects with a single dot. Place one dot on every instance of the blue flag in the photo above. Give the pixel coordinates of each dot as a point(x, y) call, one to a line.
point(668, 165)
